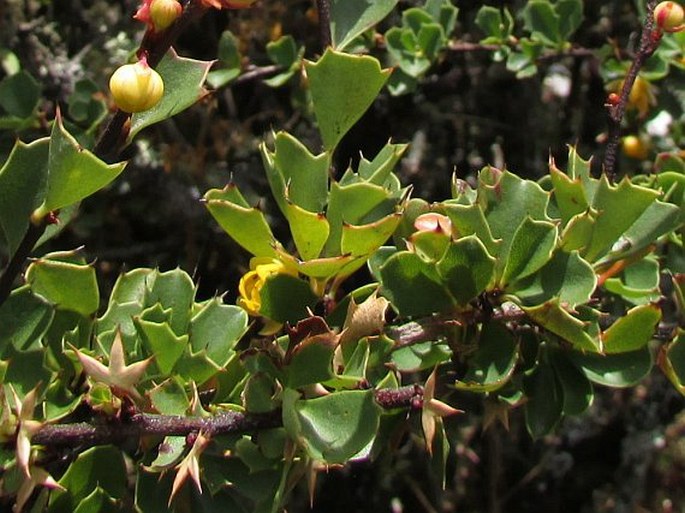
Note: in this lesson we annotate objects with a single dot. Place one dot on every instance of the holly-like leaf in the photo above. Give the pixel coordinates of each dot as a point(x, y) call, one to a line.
point(413, 286)
point(244, 224)
point(492, 364)
point(545, 400)
point(24, 319)
point(87, 473)
point(332, 428)
point(183, 80)
point(286, 298)
point(217, 328)
point(531, 248)
point(553, 317)
point(466, 268)
point(19, 94)
point(566, 278)
point(342, 87)
point(633, 330)
point(350, 18)
point(23, 179)
point(74, 173)
point(162, 344)
point(65, 280)
point(615, 370)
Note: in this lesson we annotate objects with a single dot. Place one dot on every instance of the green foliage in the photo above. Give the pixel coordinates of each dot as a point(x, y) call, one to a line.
point(526, 293)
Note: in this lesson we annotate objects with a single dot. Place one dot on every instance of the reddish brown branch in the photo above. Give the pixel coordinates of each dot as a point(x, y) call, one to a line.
point(649, 41)
point(144, 424)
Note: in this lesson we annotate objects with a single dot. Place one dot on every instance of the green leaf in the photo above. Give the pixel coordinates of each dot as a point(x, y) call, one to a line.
point(23, 179)
point(350, 18)
point(577, 389)
point(406, 50)
point(658, 219)
point(364, 239)
point(633, 330)
point(545, 400)
point(413, 286)
point(566, 277)
point(332, 428)
point(87, 473)
point(673, 362)
point(295, 174)
point(65, 281)
point(173, 290)
point(421, 356)
point(620, 206)
point(285, 53)
point(247, 226)
point(183, 79)
point(569, 194)
point(26, 369)
point(540, 17)
point(338, 99)
point(169, 398)
point(19, 94)
point(308, 229)
point(470, 220)
point(639, 282)
point(99, 501)
point(507, 201)
point(466, 268)
point(229, 57)
point(196, 367)
point(496, 27)
point(615, 370)
point(570, 16)
point(161, 343)
point(311, 362)
point(354, 204)
point(493, 363)
point(556, 319)
point(217, 328)
point(74, 173)
point(286, 298)
point(531, 248)
point(24, 319)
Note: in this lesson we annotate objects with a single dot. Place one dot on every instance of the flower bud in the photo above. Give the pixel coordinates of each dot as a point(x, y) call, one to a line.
point(136, 87)
point(164, 12)
point(669, 16)
point(433, 222)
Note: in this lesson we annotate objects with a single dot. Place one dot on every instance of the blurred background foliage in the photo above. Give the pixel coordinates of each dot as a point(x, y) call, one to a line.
point(626, 454)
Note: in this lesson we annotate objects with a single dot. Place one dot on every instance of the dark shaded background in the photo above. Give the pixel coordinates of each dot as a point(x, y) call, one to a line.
point(625, 455)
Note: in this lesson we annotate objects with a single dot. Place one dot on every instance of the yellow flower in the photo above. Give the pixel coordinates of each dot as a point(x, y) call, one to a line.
point(250, 286)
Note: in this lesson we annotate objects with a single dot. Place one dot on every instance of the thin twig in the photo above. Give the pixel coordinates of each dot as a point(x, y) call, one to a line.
point(324, 9)
point(257, 73)
point(119, 431)
point(649, 41)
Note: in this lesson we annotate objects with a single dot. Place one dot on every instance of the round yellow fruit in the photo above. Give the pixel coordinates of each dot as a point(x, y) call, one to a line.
point(136, 87)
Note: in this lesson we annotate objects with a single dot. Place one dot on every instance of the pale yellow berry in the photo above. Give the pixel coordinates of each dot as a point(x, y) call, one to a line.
point(136, 87)
point(669, 16)
point(634, 147)
point(164, 12)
